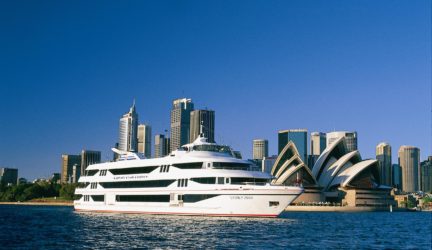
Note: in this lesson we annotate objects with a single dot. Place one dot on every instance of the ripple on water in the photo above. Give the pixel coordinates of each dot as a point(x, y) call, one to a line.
point(61, 227)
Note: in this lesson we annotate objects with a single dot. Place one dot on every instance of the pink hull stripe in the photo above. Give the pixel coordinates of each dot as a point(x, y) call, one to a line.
point(173, 213)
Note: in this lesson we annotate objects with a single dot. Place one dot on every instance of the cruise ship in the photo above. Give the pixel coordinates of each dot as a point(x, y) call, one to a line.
point(200, 178)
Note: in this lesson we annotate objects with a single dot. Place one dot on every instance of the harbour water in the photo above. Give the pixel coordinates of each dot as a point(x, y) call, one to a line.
point(50, 227)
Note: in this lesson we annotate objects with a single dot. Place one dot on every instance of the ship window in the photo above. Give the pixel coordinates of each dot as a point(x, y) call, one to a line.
point(191, 165)
point(98, 197)
point(93, 185)
point(231, 165)
point(140, 170)
point(142, 198)
point(205, 180)
point(137, 184)
point(248, 181)
point(220, 180)
point(103, 172)
point(190, 198)
point(182, 183)
point(273, 203)
point(164, 169)
point(227, 180)
point(86, 198)
point(91, 172)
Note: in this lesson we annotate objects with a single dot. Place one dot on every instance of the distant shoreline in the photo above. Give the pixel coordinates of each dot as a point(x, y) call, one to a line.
point(38, 203)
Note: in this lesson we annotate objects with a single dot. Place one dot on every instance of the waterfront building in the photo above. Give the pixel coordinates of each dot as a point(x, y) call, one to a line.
point(204, 118)
point(267, 163)
point(383, 155)
point(68, 161)
point(161, 146)
point(260, 149)
point(128, 129)
point(89, 157)
point(298, 137)
point(409, 160)
point(396, 176)
point(8, 176)
point(345, 178)
point(426, 175)
point(180, 122)
point(144, 140)
point(318, 144)
point(350, 139)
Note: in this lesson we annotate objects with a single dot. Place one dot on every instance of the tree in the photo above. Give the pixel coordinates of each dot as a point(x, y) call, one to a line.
point(67, 191)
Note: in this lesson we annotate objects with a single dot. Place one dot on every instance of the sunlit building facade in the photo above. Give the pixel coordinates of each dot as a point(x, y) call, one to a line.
point(409, 160)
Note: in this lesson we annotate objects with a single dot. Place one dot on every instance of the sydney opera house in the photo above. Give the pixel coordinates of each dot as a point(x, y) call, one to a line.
point(338, 176)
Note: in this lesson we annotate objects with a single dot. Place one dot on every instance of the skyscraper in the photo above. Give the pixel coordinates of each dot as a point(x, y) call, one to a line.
point(206, 118)
point(396, 176)
point(426, 175)
point(260, 149)
point(318, 144)
point(144, 140)
point(8, 176)
point(267, 163)
point(298, 137)
point(68, 162)
point(128, 131)
point(409, 160)
point(161, 146)
point(180, 122)
point(383, 155)
point(89, 157)
point(350, 139)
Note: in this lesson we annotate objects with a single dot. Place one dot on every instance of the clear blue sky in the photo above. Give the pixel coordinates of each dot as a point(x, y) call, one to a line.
point(70, 69)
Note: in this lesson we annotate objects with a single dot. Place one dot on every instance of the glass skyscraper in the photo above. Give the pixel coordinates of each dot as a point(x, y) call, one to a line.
point(180, 122)
point(128, 130)
point(298, 137)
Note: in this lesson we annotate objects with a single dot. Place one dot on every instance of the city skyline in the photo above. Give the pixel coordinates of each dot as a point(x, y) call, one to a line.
point(278, 68)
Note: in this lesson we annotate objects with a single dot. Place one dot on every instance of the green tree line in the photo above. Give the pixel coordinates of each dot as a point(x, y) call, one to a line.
point(29, 191)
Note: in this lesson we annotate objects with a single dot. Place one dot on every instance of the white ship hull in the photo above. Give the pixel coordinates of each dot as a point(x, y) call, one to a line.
point(248, 203)
point(201, 178)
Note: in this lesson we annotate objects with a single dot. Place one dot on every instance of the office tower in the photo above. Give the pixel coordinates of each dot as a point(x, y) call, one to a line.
point(144, 140)
point(204, 118)
point(267, 163)
point(68, 161)
point(161, 146)
point(260, 149)
point(318, 144)
point(128, 131)
point(350, 139)
point(426, 175)
point(89, 157)
point(76, 173)
point(180, 122)
point(396, 176)
point(166, 148)
point(409, 160)
point(298, 137)
point(383, 155)
point(8, 176)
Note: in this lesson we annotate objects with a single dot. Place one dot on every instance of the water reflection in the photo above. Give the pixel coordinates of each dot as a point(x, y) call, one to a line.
point(60, 227)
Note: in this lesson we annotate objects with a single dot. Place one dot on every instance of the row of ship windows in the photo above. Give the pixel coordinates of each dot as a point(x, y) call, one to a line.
point(150, 198)
point(180, 182)
point(165, 168)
